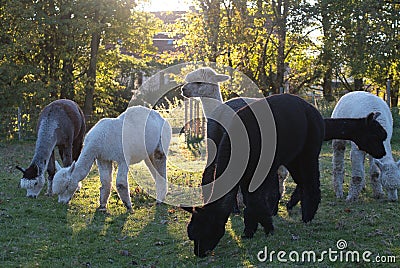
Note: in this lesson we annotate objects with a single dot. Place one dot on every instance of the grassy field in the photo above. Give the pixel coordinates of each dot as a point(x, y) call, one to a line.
point(42, 233)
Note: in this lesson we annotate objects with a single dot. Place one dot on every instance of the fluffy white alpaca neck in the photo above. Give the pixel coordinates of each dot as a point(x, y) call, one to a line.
point(45, 143)
point(84, 163)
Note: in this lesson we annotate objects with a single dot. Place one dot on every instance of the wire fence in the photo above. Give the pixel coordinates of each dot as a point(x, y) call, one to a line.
point(18, 124)
point(186, 118)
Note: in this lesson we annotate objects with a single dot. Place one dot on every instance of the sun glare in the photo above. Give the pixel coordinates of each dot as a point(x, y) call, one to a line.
point(162, 5)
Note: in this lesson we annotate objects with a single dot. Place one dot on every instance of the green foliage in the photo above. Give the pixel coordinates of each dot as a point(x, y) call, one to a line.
point(46, 49)
point(45, 53)
point(246, 35)
point(361, 38)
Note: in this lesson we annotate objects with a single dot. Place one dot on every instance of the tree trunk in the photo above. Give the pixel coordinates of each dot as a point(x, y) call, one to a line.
point(327, 85)
point(211, 10)
point(67, 89)
point(394, 96)
point(327, 56)
point(281, 11)
point(91, 75)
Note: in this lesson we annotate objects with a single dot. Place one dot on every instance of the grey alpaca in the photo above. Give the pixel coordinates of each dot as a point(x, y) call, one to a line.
point(61, 124)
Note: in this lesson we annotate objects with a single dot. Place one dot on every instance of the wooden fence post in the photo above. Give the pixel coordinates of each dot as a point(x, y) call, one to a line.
point(19, 124)
point(388, 92)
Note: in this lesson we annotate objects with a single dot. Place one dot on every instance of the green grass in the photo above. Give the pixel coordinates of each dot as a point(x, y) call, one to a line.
point(42, 233)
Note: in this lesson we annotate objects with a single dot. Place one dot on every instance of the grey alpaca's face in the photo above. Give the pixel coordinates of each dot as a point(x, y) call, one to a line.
point(199, 89)
point(205, 231)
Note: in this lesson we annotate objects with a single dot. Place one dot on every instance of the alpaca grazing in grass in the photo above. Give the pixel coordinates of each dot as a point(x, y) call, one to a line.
point(293, 117)
point(61, 124)
point(137, 134)
point(383, 172)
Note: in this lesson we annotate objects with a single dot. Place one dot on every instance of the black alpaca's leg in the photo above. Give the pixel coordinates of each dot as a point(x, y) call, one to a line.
point(257, 211)
point(273, 193)
point(305, 173)
point(294, 199)
point(311, 193)
point(250, 222)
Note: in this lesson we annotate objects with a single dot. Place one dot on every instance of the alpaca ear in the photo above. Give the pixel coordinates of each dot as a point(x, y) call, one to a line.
point(20, 169)
point(379, 164)
point(58, 166)
point(376, 115)
point(221, 78)
point(71, 168)
point(370, 117)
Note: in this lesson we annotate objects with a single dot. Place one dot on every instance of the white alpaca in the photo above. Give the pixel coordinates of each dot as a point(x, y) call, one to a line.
point(384, 172)
point(137, 134)
point(203, 83)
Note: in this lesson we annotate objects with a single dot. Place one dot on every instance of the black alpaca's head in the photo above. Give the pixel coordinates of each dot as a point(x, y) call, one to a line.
point(205, 230)
point(372, 137)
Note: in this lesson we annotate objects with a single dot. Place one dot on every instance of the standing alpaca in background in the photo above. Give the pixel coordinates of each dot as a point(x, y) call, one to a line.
point(137, 134)
point(61, 124)
point(384, 172)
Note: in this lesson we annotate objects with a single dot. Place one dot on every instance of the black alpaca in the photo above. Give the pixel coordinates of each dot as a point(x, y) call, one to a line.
point(293, 117)
point(367, 133)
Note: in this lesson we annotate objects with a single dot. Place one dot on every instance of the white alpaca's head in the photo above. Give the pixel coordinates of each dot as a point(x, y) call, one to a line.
point(64, 184)
point(203, 82)
point(390, 178)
